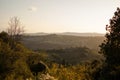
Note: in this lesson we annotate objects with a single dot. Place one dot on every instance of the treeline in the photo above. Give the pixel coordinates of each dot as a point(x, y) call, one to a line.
point(71, 56)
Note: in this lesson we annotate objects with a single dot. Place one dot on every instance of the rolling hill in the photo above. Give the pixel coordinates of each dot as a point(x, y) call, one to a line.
point(65, 48)
point(55, 41)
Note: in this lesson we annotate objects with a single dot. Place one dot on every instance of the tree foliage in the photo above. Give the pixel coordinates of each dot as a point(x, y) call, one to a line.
point(111, 49)
point(14, 60)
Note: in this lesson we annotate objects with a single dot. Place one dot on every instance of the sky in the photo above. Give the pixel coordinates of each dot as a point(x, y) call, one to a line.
point(59, 15)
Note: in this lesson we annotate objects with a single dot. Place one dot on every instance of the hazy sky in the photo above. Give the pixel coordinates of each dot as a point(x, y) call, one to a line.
point(59, 15)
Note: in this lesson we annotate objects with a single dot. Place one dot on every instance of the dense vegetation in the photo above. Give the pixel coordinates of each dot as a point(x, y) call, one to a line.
point(15, 59)
point(111, 49)
point(86, 71)
point(76, 55)
point(16, 62)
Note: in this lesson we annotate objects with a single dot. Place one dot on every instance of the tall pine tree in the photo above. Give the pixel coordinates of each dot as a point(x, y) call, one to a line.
point(111, 49)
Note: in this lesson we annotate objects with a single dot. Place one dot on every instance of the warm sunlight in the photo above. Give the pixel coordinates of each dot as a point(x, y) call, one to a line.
point(59, 39)
point(59, 15)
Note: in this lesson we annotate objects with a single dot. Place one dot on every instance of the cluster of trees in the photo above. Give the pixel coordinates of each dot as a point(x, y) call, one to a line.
point(110, 48)
point(77, 55)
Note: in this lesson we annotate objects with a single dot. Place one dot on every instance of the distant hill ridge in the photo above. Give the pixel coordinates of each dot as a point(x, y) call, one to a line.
point(65, 33)
point(56, 41)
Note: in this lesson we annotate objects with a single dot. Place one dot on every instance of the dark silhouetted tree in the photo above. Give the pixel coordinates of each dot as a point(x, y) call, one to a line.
point(111, 49)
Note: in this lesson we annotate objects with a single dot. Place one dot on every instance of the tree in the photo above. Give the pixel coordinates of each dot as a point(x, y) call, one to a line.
point(110, 48)
point(15, 29)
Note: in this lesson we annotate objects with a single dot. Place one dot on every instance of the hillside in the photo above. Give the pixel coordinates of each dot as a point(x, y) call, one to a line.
point(72, 55)
point(54, 41)
point(59, 47)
